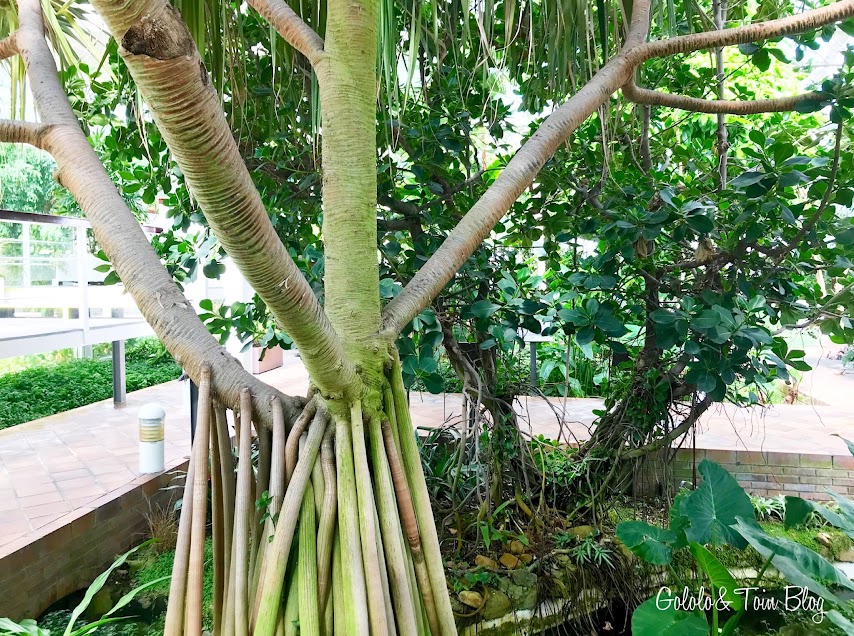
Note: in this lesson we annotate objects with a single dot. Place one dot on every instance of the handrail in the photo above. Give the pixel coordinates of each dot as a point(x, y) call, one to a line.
point(16, 216)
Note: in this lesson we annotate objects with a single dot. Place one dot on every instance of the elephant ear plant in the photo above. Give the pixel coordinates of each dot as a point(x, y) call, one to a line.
point(718, 513)
point(29, 627)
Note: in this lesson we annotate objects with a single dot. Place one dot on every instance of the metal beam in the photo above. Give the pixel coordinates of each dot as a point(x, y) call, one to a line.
point(119, 373)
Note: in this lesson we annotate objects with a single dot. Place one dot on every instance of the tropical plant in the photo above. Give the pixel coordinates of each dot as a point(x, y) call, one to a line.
point(719, 512)
point(29, 627)
point(373, 555)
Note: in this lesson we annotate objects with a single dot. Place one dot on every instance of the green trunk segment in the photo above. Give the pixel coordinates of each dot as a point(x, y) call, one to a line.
point(309, 619)
point(348, 93)
point(421, 502)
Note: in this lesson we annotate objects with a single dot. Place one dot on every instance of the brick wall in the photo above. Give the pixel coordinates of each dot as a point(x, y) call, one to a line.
point(760, 473)
point(67, 555)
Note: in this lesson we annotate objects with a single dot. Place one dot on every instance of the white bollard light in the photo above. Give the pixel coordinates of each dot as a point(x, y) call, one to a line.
point(151, 433)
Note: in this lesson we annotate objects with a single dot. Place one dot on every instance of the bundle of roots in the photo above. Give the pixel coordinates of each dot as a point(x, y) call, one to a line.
point(331, 532)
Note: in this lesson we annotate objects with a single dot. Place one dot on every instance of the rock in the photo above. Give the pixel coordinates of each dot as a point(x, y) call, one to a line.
point(526, 558)
point(509, 561)
point(486, 562)
point(470, 598)
point(521, 589)
point(517, 547)
point(824, 539)
point(582, 532)
point(497, 605)
point(847, 555)
point(523, 577)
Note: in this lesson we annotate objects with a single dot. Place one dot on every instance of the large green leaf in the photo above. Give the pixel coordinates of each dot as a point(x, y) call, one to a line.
point(657, 617)
point(718, 575)
point(797, 511)
point(798, 564)
point(650, 543)
point(714, 507)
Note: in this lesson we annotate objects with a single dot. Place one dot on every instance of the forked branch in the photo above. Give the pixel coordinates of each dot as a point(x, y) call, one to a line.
point(158, 49)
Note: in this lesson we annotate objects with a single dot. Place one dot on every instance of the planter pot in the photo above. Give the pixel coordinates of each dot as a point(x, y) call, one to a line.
point(272, 360)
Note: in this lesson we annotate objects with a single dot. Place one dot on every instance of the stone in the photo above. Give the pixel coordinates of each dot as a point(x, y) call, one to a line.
point(824, 539)
point(497, 604)
point(485, 561)
point(520, 588)
point(517, 547)
point(524, 578)
point(509, 561)
point(847, 555)
point(471, 598)
point(582, 532)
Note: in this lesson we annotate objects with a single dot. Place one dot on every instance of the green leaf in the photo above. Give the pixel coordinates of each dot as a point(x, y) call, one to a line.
point(747, 178)
point(847, 443)
point(434, 383)
point(663, 317)
point(798, 564)
point(708, 319)
point(840, 621)
point(483, 309)
point(714, 507)
point(798, 510)
point(700, 223)
point(658, 617)
point(718, 575)
point(706, 382)
point(679, 522)
point(650, 543)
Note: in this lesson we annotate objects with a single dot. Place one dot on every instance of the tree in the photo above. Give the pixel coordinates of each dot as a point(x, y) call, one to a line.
point(373, 554)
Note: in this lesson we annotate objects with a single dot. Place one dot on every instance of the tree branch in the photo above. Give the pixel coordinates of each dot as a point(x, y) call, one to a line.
point(291, 27)
point(22, 132)
point(162, 57)
point(556, 129)
point(639, 95)
point(116, 229)
point(9, 46)
point(750, 33)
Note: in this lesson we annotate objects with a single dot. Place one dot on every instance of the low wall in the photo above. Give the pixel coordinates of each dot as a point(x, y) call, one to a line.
point(69, 553)
point(760, 473)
